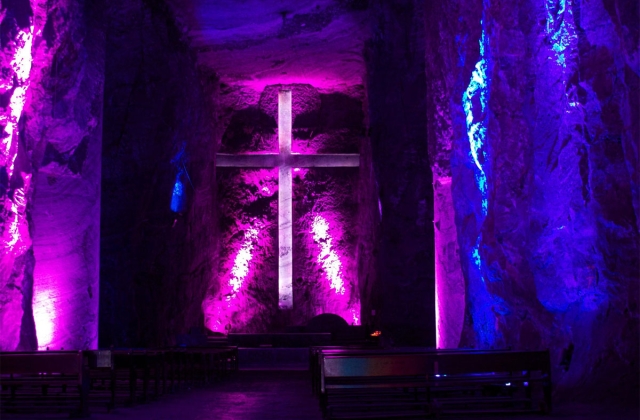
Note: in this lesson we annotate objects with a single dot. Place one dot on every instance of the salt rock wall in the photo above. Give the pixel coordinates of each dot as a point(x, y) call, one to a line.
point(53, 57)
point(400, 285)
point(243, 297)
point(154, 262)
point(536, 111)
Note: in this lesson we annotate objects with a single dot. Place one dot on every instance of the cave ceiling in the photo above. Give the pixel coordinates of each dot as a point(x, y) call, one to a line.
point(261, 42)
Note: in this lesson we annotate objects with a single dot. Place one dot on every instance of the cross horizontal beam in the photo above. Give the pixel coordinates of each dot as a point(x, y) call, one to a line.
point(293, 160)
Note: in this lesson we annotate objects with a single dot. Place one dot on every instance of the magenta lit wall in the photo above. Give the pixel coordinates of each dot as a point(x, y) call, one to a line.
point(244, 295)
point(52, 160)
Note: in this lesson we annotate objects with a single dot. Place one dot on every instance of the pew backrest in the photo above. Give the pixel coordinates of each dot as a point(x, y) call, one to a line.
point(492, 361)
point(413, 367)
point(360, 364)
point(68, 363)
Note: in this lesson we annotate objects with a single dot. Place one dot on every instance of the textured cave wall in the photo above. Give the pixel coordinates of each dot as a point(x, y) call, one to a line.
point(316, 47)
point(403, 292)
point(553, 260)
point(450, 281)
point(65, 126)
point(49, 295)
point(324, 121)
point(327, 197)
point(154, 262)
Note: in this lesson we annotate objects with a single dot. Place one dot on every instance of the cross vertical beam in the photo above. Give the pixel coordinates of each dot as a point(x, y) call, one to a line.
point(285, 227)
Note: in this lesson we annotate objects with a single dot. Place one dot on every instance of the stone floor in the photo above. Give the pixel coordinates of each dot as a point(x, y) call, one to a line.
point(286, 395)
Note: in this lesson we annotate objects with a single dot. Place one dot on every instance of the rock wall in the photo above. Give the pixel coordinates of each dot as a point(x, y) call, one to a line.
point(53, 56)
point(155, 263)
point(243, 296)
point(534, 108)
point(403, 289)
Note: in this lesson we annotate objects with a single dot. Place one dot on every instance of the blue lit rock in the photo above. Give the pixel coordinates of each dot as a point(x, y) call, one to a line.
point(558, 248)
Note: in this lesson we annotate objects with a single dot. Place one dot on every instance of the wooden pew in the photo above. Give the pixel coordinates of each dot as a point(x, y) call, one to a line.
point(102, 383)
point(176, 362)
point(137, 376)
point(314, 362)
point(491, 381)
point(157, 373)
point(359, 383)
point(212, 364)
point(356, 350)
point(315, 352)
point(105, 379)
point(44, 382)
point(382, 385)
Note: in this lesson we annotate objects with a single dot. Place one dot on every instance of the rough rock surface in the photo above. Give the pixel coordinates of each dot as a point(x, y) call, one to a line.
point(261, 42)
point(513, 126)
point(154, 263)
point(403, 289)
point(553, 260)
point(323, 123)
point(56, 179)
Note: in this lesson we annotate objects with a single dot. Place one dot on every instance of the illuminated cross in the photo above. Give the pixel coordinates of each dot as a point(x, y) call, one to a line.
point(284, 161)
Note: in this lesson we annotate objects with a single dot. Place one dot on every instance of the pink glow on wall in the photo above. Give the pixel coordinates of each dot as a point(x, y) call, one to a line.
point(18, 226)
point(44, 314)
point(246, 268)
point(342, 301)
point(21, 65)
point(226, 310)
point(241, 263)
point(15, 241)
point(19, 82)
point(355, 316)
point(439, 343)
point(450, 284)
point(327, 257)
point(61, 322)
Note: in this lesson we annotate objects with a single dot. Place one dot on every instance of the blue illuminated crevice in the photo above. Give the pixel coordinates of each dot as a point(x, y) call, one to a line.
point(474, 103)
point(562, 37)
point(560, 29)
point(475, 100)
point(179, 194)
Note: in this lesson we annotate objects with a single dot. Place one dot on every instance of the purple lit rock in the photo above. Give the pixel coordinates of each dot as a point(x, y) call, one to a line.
point(65, 126)
point(54, 183)
point(266, 43)
point(324, 270)
point(243, 296)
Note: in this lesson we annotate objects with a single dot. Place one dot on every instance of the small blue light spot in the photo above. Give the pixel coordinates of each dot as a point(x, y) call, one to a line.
point(178, 199)
point(475, 254)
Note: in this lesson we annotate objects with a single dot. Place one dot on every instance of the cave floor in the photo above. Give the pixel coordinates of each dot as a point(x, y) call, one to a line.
point(286, 395)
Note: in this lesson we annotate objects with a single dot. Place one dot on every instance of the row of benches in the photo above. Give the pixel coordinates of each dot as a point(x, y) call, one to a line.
point(385, 383)
point(78, 381)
